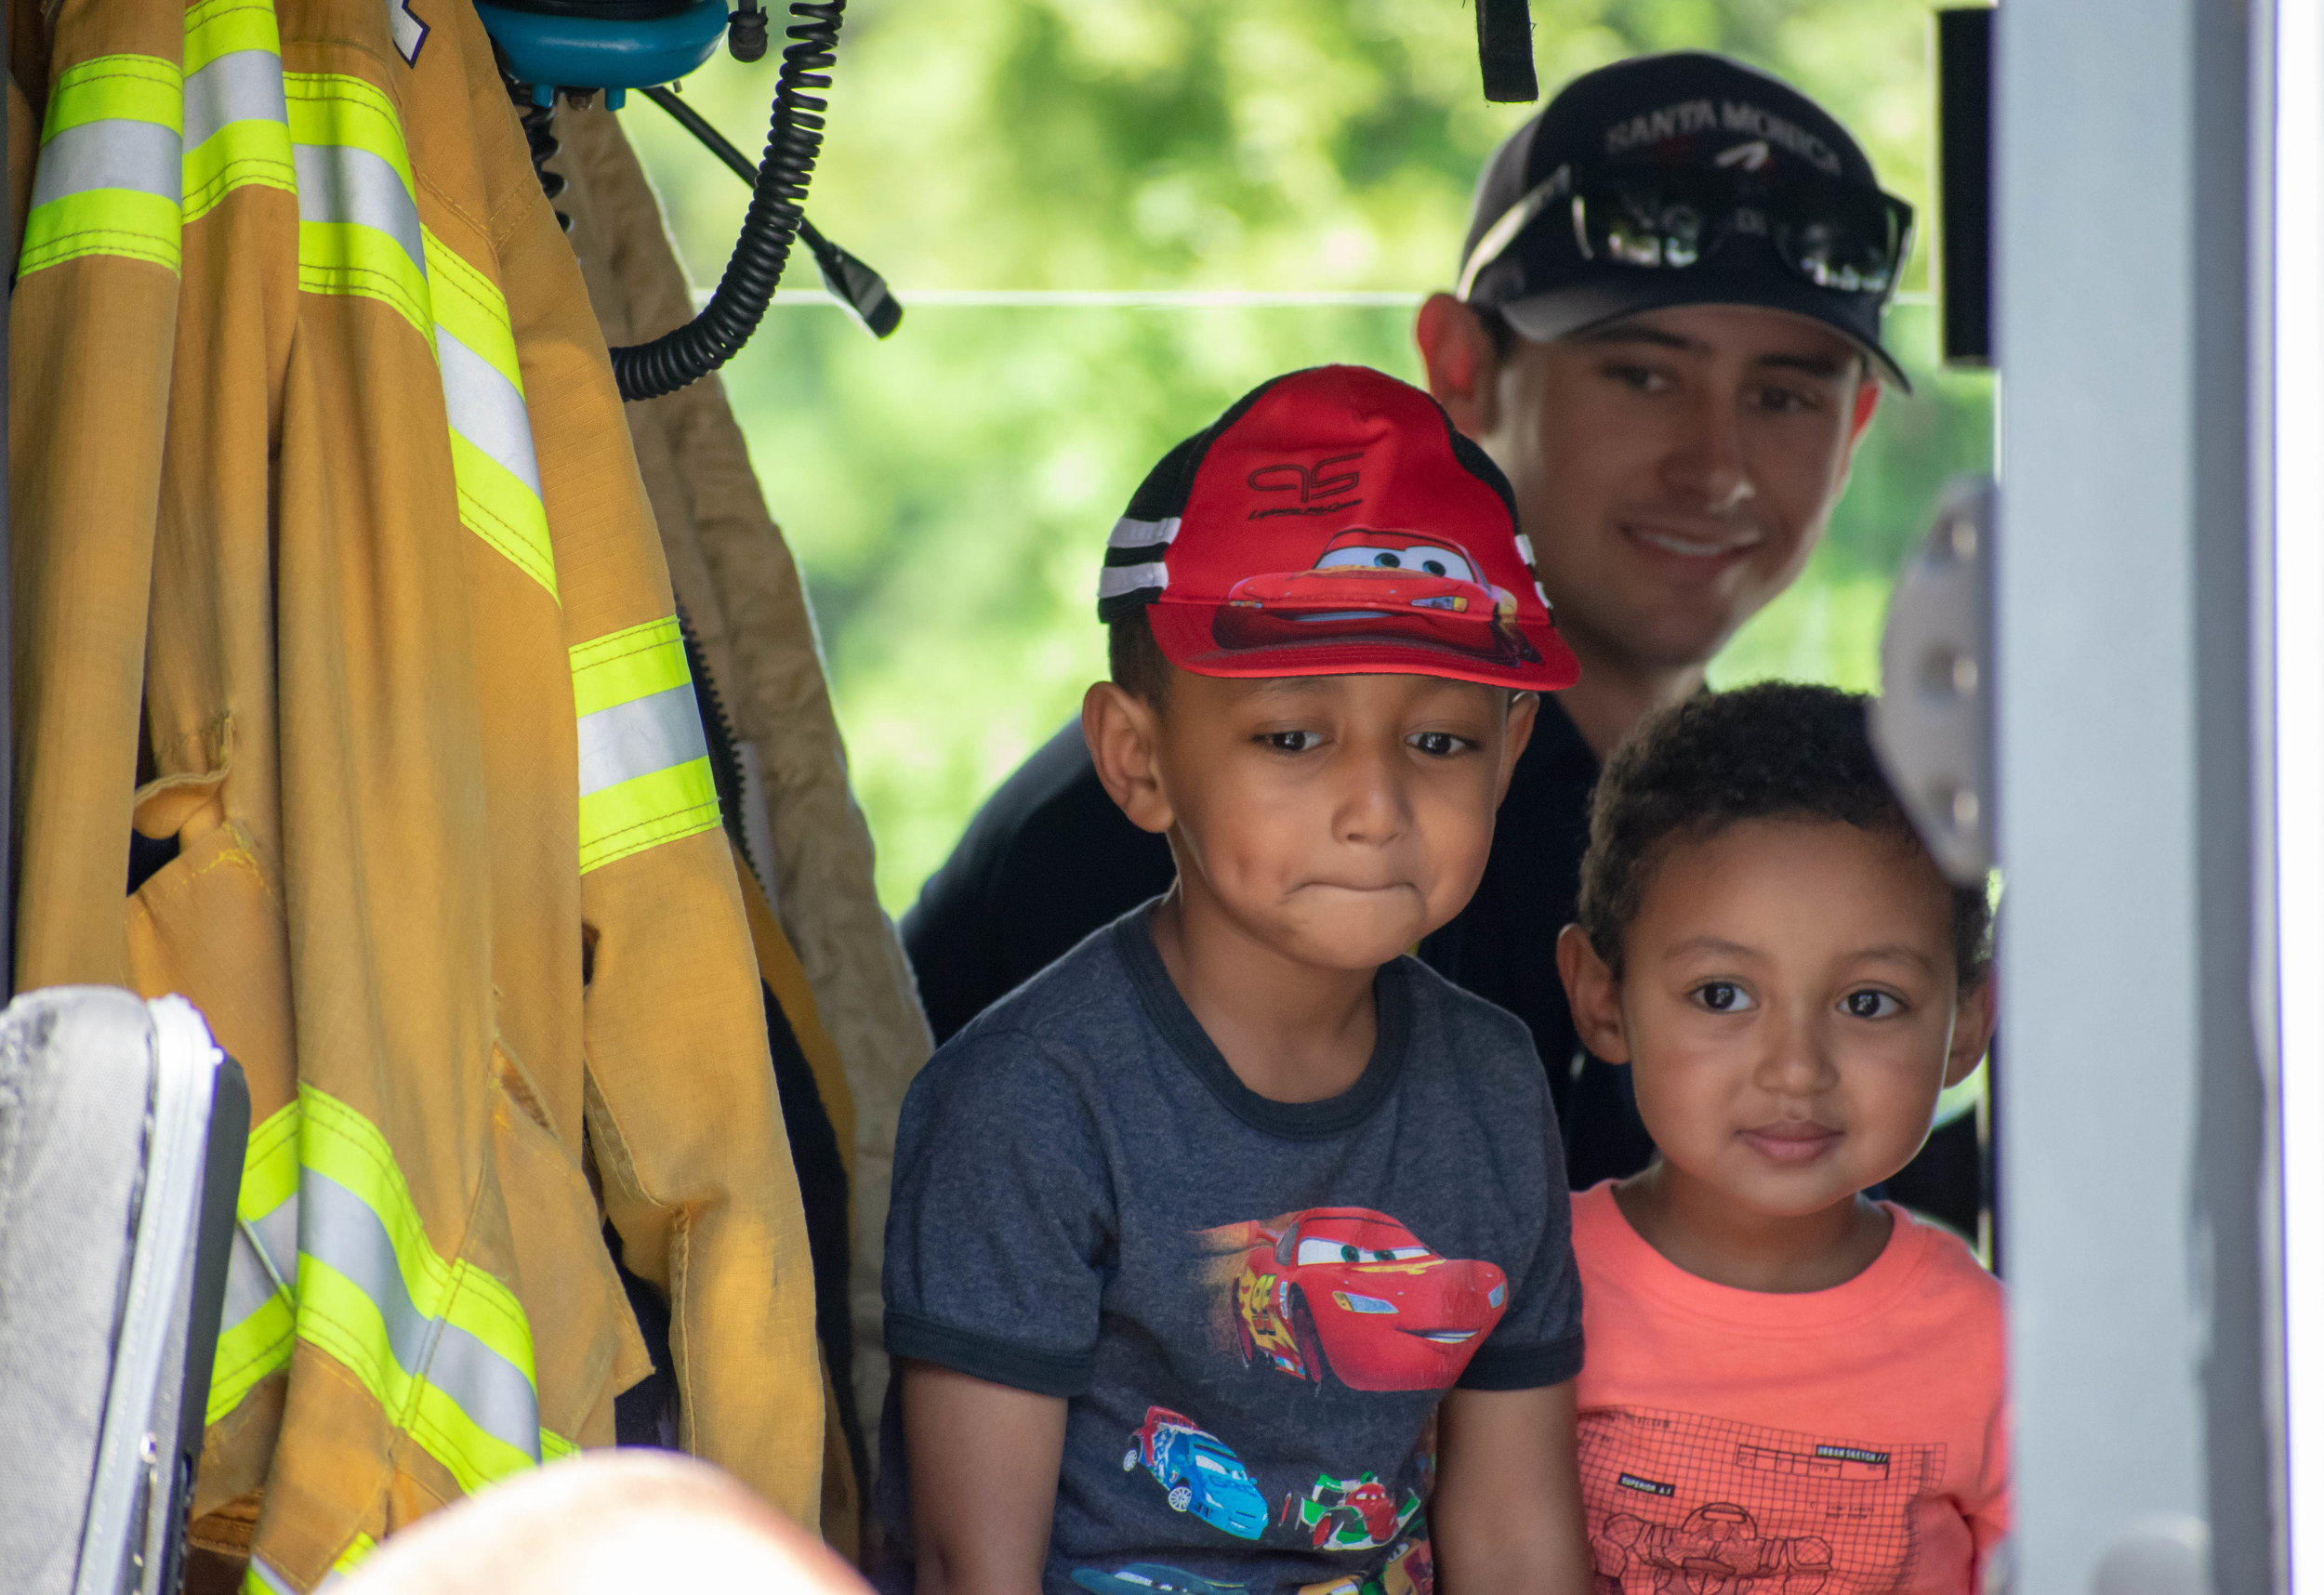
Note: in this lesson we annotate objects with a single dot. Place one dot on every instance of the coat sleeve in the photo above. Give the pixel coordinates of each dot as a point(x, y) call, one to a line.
point(682, 1116)
point(91, 324)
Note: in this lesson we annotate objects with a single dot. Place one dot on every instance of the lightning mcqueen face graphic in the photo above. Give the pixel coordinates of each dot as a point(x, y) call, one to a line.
point(1350, 1293)
point(1387, 585)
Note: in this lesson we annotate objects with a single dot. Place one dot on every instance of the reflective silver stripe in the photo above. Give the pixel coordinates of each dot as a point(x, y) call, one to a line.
point(637, 738)
point(245, 86)
point(1116, 580)
point(339, 1229)
point(1524, 548)
point(1128, 533)
point(487, 409)
point(339, 182)
point(113, 152)
point(270, 1579)
point(263, 1263)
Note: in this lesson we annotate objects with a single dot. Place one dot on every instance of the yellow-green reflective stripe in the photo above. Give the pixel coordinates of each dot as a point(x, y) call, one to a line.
point(125, 88)
point(360, 233)
point(471, 308)
point(349, 259)
point(627, 664)
point(216, 28)
point(442, 1346)
point(332, 108)
point(495, 505)
point(338, 1316)
point(108, 222)
point(269, 1164)
point(257, 1324)
point(555, 1447)
point(237, 155)
point(248, 1353)
point(644, 773)
point(646, 813)
point(358, 230)
point(237, 128)
point(108, 176)
point(493, 464)
point(263, 1580)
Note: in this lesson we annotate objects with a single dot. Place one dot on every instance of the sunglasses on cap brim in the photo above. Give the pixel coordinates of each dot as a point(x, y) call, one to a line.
point(1845, 238)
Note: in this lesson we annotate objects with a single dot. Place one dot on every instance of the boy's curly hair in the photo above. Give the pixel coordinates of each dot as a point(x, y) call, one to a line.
point(1779, 750)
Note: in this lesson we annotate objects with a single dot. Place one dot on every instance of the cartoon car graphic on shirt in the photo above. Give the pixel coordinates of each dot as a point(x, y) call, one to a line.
point(1349, 1514)
point(1352, 1294)
point(1150, 1578)
point(1409, 1570)
point(1718, 1549)
point(1379, 586)
point(1200, 1473)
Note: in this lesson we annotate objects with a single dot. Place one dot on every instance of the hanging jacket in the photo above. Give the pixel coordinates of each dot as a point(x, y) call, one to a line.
point(327, 472)
point(741, 589)
point(781, 770)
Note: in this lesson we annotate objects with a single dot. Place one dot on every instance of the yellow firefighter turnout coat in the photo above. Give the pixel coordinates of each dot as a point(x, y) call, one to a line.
point(332, 563)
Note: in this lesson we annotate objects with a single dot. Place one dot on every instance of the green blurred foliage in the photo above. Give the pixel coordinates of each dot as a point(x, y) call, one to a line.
point(948, 491)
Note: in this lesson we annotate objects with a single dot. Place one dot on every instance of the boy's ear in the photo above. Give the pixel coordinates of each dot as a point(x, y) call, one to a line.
point(1593, 995)
point(1123, 732)
point(1973, 1018)
point(1459, 355)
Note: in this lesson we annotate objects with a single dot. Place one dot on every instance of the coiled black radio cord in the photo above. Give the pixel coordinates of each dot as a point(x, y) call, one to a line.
point(540, 143)
point(794, 141)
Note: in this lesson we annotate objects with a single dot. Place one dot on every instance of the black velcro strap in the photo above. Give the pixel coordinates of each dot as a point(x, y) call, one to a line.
point(1505, 50)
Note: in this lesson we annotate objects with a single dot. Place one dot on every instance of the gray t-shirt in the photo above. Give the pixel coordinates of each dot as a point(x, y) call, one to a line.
point(1253, 1306)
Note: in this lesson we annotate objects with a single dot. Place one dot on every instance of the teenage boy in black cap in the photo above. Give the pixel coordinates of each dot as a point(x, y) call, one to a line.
point(1667, 334)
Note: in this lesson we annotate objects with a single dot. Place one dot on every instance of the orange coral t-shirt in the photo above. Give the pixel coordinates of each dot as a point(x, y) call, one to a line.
point(1844, 1442)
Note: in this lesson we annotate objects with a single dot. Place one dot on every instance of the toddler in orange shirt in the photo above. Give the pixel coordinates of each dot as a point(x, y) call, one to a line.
point(1788, 1386)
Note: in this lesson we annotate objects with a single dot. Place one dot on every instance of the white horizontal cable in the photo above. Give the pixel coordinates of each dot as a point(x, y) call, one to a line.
point(1142, 298)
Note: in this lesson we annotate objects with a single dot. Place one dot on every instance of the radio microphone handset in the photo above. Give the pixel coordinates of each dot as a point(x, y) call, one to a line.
point(851, 281)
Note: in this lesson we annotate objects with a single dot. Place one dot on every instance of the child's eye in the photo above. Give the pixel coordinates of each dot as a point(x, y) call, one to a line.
point(1437, 745)
point(1724, 997)
point(1290, 741)
point(1870, 1005)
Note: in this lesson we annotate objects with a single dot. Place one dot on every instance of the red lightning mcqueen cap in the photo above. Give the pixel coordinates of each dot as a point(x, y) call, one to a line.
point(1333, 523)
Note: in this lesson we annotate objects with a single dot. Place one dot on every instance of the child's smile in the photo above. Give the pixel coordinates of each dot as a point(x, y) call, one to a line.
point(1790, 1007)
point(1791, 1142)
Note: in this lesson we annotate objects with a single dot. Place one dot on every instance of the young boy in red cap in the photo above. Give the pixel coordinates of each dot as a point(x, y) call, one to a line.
point(1231, 1251)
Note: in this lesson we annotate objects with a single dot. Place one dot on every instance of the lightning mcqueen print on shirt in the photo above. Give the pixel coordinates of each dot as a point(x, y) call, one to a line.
point(1350, 1294)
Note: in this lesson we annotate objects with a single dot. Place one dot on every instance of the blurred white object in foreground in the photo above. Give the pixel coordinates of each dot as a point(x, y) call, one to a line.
point(609, 1521)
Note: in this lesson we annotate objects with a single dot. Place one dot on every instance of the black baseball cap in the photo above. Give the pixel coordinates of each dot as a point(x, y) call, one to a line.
point(1691, 118)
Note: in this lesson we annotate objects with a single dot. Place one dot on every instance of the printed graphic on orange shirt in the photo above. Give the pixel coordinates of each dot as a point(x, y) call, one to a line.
point(1678, 1502)
point(1409, 1570)
point(1348, 1295)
